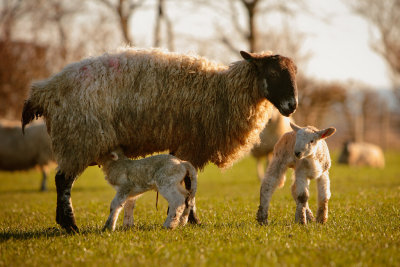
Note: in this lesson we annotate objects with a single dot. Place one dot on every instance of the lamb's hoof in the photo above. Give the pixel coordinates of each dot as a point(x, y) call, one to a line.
point(321, 220)
point(193, 219)
point(262, 217)
point(310, 216)
point(107, 228)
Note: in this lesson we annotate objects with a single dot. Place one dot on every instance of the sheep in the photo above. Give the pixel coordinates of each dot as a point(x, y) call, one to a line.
point(362, 154)
point(164, 173)
point(23, 152)
point(304, 150)
point(274, 129)
point(149, 101)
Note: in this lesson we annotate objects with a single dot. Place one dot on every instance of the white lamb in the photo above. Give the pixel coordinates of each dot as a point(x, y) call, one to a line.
point(176, 180)
point(304, 150)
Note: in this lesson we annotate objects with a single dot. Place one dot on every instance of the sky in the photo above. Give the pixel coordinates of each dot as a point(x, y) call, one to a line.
point(339, 48)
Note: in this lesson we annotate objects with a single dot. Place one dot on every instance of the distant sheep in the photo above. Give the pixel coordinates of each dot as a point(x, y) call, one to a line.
point(23, 152)
point(362, 154)
point(148, 101)
point(277, 126)
point(176, 180)
point(304, 150)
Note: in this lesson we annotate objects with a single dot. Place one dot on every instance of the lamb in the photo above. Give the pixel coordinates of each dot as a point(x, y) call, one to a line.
point(304, 150)
point(362, 154)
point(23, 152)
point(132, 178)
point(149, 101)
point(277, 126)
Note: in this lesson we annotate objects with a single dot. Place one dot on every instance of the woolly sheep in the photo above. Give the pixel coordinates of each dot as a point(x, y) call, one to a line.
point(277, 126)
point(23, 152)
point(132, 178)
point(362, 154)
point(304, 150)
point(148, 101)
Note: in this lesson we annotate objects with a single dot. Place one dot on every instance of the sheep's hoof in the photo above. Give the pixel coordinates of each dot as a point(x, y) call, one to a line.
point(310, 216)
point(262, 217)
point(107, 228)
point(193, 219)
point(322, 220)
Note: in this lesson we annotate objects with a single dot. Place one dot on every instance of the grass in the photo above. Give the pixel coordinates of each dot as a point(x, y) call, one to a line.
point(363, 228)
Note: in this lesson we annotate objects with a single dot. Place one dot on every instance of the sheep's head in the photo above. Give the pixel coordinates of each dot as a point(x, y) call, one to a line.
point(277, 80)
point(307, 139)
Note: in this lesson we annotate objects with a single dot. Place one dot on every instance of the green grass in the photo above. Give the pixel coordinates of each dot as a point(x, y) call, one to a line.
point(363, 228)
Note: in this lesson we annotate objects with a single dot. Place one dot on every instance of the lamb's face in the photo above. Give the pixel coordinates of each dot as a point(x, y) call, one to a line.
point(277, 80)
point(306, 143)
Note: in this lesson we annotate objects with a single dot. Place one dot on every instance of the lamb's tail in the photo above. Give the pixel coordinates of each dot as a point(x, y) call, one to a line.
point(190, 181)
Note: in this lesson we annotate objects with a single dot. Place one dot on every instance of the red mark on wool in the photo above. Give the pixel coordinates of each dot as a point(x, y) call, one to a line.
point(113, 63)
point(85, 72)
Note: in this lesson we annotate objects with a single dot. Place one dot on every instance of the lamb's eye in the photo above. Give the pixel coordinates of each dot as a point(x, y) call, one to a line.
point(312, 141)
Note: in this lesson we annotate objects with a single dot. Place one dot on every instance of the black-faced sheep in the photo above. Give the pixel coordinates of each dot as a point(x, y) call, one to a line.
point(148, 101)
point(304, 150)
point(176, 180)
point(362, 154)
point(23, 152)
point(277, 126)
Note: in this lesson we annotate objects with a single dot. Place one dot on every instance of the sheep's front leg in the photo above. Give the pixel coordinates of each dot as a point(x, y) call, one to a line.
point(324, 194)
point(274, 176)
point(128, 211)
point(176, 202)
point(65, 213)
point(301, 193)
point(115, 208)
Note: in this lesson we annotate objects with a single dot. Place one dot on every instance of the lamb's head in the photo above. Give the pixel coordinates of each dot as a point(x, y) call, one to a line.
point(114, 155)
point(276, 79)
point(307, 139)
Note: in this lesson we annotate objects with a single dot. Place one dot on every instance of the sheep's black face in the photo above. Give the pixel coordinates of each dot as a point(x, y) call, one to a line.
point(277, 80)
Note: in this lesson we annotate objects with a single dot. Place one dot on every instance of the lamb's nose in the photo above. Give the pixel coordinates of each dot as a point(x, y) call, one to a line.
point(297, 154)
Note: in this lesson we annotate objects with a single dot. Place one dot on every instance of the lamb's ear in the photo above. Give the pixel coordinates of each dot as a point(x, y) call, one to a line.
point(294, 127)
point(326, 132)
point(247, 56)
point(114, 155)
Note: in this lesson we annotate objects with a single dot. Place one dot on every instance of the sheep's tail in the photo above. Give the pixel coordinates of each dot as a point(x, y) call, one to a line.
point(30, 111)
point(34, 105)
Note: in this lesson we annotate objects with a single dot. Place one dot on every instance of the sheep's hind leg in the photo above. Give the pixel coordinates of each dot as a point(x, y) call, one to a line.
point(176, 207)
point(64, 212)
point(324, 194)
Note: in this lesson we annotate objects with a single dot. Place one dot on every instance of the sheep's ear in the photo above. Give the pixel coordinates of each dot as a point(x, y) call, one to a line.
point(114, 155)
point(247, 56)
point(294, 127)
point(326, 132)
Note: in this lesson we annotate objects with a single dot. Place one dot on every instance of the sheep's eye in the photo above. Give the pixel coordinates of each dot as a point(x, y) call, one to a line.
point(312, 141)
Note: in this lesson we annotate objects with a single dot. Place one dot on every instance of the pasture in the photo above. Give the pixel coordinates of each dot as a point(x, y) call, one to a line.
point(363, 228)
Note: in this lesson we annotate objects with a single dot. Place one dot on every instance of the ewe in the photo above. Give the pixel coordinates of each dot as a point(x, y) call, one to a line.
point(362, 154)
point(23, 152)
point(176, 180)
point(304, 150)
point(148, 101)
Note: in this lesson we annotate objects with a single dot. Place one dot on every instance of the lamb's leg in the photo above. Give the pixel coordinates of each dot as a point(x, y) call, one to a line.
point(301, 193)
point(128, 211)
point(324, 194)
point(309, 214)
point(176, 201)
point(64, 212)
point(190, 204)
point(274, 177)
point(43, 186)
point(260, 169)
point(115, 208)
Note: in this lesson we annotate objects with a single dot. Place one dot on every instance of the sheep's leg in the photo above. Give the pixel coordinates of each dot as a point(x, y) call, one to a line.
point(324, 194)
point(43, 186)
point(193, 218)
point(115, 208)
point(309, 214)
point(128, 211)
point(176, 207)
point(64, 212)
point(274, 177)
point(301, 193)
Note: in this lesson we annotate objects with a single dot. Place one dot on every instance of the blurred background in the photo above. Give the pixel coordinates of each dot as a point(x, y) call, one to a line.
point(347, 52)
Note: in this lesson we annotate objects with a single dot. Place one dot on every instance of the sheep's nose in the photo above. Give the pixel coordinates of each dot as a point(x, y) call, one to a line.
point(297, 154)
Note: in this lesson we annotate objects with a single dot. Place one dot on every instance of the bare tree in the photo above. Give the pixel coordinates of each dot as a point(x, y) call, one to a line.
point(161, 16)
point(384, 18)
point(124, 10)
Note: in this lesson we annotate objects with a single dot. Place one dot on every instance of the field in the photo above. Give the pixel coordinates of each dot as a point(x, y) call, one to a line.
point(363, 228)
